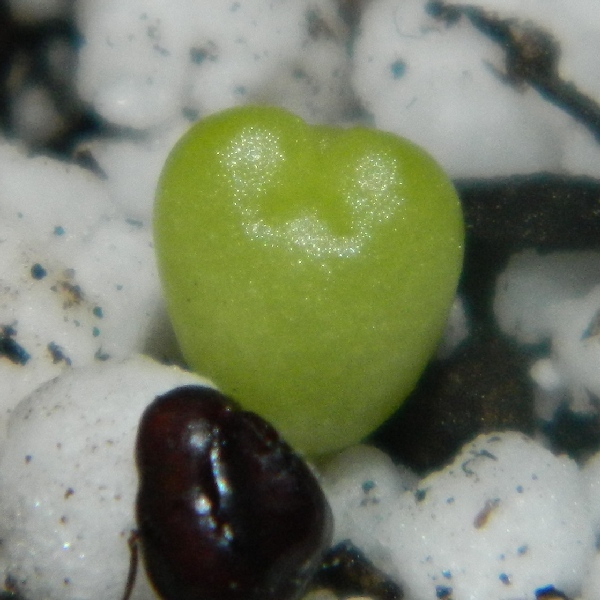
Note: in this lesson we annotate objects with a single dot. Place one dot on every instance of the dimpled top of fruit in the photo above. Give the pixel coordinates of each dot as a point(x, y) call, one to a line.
point(308, 270)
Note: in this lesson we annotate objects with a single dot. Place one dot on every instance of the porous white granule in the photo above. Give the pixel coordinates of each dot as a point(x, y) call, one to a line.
point(576, 348)
point(591, 476)
point(43, 194)
point(435, 86)
point(573, 24)
point(442, 85)
point(457, 329)
point(68, 480)
point(555, 297)
point(133, 61)
point(591, 584)
point(291, 53)
point(363, 485)
point(145, 63)
point(79, 282)
point(506, 518)
point(533, 283)
point(132, 167)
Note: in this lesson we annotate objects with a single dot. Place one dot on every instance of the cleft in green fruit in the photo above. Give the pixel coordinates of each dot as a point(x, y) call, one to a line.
point(308, 270)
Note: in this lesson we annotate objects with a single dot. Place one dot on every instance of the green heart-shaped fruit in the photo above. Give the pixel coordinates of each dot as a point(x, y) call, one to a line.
point(308, 270)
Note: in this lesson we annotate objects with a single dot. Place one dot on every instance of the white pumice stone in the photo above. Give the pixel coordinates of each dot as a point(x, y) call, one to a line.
point(505, 519)
point(363, 485)
point(145, 63)
point(591, 584)
point(591, 475)
point(576, 345)
point(438, 85)
point(56, 313)
point(53, 200)
point(256, 51)
point(555, 297)
point(457, 329)
point(315, 85)
point(573, 25)
point(570, 377)
point(78, 281)
point(132, 167)
point(533, 283)
point(68, 480)
point(133, 60)
point(551, 390)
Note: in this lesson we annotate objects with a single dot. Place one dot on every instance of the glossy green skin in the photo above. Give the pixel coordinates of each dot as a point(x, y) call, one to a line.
point(307, 270)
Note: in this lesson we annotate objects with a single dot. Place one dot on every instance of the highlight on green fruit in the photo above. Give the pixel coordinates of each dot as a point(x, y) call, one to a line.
point(308, 270)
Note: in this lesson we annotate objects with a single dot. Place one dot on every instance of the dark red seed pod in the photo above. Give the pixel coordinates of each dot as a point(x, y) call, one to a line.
point(226, 510)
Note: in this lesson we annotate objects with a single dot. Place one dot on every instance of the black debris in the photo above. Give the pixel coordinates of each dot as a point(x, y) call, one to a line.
point(10, 348)
point(347, 572)
point(38, 272)
point(58, 354)
point(532, 57)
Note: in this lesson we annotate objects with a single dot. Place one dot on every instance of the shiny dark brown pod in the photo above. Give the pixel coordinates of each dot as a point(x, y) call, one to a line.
point(225, 509)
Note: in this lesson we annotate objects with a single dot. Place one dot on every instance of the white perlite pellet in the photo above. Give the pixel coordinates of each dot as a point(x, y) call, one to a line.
point(144, 63)
point(68, 480)
point(556, 297)
point(443, 86)
point(507, 517)
point(78, 281)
